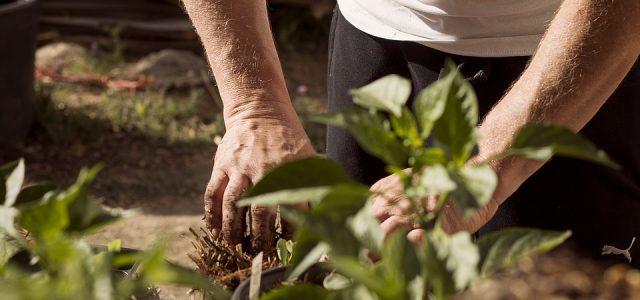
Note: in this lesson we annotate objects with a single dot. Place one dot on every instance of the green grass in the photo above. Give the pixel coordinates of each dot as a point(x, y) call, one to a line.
point(68, 112)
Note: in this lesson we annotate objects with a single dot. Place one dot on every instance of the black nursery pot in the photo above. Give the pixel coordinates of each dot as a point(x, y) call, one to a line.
point(18, 31)
point(273, 278)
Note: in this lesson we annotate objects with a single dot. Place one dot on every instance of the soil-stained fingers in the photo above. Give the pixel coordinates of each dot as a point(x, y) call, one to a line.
point(213, 201)
point(262, 228)
point(233, 216)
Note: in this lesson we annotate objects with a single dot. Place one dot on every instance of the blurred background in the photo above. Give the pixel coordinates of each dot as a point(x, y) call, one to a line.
point(125, 83)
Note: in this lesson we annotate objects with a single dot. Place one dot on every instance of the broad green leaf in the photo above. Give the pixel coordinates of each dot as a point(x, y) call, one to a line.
point(301, 173)
point(34, 192)
point(430, 104)
point(428, 156)
point(342, 202)
point(298, 291)
point(13, 184)
point(284, 197)
point(284, 250)
point(504, 248)
point(451, 261)
point(256, 277)
point(476, 185)
point(309, 260)
point(328, 227)
point(388, 93)
point(400, 261)
point(46, 218)
point(371, 132)
point(406, 128)
point(455, 129)
point(351, 268)
point(541, 141)
point(366, 229)
point(8, 247)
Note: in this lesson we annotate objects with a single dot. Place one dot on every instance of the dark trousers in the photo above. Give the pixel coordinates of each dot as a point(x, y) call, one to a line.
point(600, 205)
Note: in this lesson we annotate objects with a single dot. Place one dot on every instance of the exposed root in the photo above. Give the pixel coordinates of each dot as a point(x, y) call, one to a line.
point(223, 263)
point(606, 249)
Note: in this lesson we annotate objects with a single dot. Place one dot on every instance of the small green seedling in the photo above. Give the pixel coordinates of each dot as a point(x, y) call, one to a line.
point(340, 224)
point(42, 255)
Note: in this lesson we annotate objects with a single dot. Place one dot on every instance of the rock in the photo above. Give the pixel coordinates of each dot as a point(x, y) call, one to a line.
point(171, 68)
point(61, 57)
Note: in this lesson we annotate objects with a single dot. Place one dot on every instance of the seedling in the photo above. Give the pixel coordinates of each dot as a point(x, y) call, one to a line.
point(42, 255)
point(340, 224)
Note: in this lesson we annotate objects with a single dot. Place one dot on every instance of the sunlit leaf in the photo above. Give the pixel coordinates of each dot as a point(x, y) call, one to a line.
point(416, 288)
point(369, 130)
point(284, 250)
point(504, 248)
point(541, 141)
point(46, 218)
point(8, 247)
point(429, 105)
point(406, 128)
point(388, 93)
point(256, 277)
point(284, 197)
point(366, 229)
point(301, 173)
point(7, 220)
point(476, 185)
point(455, 129)
point(13, 184)
point(311, 258)
point(335, 281)
point(433, 180)
point(429, 156)
point(114, 246)
point(452, 259)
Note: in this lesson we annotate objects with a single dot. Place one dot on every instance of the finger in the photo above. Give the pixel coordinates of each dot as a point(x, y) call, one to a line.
point(415, 236)
point(394, 223)
point(233, 216)
point(383, 207)
point(262, 228)
point(213, 201)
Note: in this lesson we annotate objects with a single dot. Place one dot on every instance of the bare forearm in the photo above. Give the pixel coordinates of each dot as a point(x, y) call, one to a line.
point(240, 48)
point(588, 49)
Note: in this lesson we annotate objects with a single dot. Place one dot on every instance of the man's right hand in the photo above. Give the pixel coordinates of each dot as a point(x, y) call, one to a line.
point(251, 146)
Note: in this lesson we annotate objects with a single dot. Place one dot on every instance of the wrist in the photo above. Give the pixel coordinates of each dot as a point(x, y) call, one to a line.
point(269, 111)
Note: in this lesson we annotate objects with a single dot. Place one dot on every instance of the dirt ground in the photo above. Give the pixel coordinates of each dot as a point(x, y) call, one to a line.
point(156, 145)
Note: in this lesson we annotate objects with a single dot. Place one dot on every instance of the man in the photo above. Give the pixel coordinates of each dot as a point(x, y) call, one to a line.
point(572, 63)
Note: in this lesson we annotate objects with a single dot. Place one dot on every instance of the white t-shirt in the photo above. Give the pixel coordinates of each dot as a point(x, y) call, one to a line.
point(487, 28)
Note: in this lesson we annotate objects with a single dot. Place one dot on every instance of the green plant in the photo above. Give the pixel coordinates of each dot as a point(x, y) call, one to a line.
point(42, 255)
point(339, 222)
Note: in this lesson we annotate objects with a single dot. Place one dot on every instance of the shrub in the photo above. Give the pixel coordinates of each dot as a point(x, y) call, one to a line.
point(42, 255)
